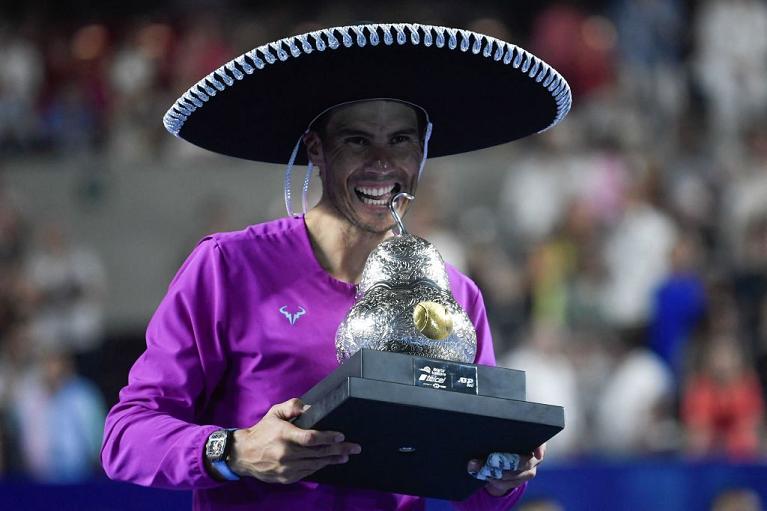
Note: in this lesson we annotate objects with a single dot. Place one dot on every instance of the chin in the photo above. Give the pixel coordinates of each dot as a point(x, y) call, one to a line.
point(375, 227)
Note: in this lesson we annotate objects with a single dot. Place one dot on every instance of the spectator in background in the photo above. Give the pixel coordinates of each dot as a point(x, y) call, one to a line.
point(551, 379)
point(582, 47)
point(534, 193)
point(650, 51)
point(21, 79)
point(722, 405)
point(636, 255)
point(16, 345)
point(503, 287)
point(737, 499)
point(565, 271)
point(427, 220)
point(692, 184)
point(71, 123)
point(135, 73)
point(13, 244)
point(745, 195)
point(58, 418)
point(678, 306)
point(635, 407)
point(66, 284)
point(749, 283)
point(731, 63)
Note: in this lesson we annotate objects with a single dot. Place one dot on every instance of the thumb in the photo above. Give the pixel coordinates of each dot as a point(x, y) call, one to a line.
point(473, 467)
point(288, 410)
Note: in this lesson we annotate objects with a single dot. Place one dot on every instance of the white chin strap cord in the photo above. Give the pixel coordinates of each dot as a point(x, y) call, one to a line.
point(288, 193)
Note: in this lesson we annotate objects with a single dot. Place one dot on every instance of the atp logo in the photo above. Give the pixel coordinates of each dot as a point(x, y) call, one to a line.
point(292, 318)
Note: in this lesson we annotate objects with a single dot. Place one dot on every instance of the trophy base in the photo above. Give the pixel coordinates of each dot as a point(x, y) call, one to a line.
point(415, 439)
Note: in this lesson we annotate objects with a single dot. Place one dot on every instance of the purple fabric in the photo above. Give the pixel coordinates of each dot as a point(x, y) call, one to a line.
point(225, 344)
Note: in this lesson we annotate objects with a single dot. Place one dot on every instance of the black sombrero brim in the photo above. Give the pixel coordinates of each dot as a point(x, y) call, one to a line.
point(478, 91)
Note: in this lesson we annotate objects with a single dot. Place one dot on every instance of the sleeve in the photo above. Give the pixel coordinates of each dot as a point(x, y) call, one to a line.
point(151, 437)
point(481, 500)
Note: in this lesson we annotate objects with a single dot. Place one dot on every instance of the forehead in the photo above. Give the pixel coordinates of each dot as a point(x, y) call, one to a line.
point(373, 115)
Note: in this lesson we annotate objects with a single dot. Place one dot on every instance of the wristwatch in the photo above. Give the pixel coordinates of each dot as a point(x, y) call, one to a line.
point(217, 450)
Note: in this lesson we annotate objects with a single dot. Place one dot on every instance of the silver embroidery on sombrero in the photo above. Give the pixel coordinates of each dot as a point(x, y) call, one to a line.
point(361, 35)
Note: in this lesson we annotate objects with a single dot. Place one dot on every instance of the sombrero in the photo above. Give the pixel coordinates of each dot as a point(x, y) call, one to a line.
point(478, 91)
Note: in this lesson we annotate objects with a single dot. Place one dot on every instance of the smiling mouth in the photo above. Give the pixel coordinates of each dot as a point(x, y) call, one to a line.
point(377, 195)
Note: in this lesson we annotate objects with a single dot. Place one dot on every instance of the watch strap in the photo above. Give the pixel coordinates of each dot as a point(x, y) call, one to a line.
point(224, 471)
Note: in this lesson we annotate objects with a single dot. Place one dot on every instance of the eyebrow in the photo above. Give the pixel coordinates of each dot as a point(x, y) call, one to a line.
point(345, 132)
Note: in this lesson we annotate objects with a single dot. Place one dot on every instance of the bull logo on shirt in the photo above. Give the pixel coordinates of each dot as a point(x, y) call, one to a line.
point(292, 318)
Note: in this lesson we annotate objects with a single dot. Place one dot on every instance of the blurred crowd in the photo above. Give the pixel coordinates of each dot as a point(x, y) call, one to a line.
point(622, 255)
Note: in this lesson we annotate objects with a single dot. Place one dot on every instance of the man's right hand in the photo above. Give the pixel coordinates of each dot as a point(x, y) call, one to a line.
point(275, 451)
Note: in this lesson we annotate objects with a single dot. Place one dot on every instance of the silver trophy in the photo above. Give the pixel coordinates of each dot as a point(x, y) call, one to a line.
point(407, 389)
point(404, 304)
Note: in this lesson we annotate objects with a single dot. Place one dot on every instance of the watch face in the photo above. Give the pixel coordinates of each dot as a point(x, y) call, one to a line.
point(214, 449)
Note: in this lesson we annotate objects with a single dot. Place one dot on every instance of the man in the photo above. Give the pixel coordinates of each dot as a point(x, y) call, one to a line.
point(249, 320)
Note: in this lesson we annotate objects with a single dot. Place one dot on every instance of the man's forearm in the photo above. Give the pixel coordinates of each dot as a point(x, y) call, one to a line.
point(149, 448)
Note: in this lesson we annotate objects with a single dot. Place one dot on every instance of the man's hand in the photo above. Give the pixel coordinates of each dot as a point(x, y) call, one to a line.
point(275, 451)
point(528, 466)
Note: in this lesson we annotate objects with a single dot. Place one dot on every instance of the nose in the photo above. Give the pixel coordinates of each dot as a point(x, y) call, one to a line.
point(381, 158)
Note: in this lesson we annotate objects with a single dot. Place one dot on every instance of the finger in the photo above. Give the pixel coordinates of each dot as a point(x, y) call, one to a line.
point(525, 463)
point(501, 487)
point(312, 465)
point(311, 437)
point(473, 467)
point(540, 451)
point(344, 448)
point(519, 476)
point(288, 410)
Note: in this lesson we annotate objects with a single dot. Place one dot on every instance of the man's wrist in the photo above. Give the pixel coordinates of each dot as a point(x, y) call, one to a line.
point(217, 455)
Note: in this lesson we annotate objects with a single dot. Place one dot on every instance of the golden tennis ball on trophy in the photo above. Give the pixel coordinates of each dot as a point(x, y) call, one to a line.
point(432, 320)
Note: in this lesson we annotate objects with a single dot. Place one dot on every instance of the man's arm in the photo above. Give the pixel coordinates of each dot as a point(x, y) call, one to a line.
point(151, 437)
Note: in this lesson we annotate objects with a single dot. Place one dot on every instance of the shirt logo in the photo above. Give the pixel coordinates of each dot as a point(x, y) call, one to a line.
point(292, 318)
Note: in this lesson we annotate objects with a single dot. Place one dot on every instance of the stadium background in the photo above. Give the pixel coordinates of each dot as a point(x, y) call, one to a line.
point(622, 255)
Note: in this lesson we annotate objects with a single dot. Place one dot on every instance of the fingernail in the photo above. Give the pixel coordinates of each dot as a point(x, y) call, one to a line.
point(305, 407)
point(356, 449)
point(338, 438)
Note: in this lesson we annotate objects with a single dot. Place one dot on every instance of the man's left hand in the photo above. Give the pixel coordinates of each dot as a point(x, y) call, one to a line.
point(528, 466)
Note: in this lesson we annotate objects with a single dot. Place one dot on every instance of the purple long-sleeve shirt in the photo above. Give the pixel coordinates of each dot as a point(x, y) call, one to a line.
point(248, 321)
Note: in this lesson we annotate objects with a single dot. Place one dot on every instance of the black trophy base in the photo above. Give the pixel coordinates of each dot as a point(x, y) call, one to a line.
point(415, 439)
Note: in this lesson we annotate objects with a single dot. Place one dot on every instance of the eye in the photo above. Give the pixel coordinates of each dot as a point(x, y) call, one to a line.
point(400, 139)
point(357, 140)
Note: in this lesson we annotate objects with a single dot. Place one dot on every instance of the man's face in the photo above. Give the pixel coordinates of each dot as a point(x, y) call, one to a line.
point(370, 152)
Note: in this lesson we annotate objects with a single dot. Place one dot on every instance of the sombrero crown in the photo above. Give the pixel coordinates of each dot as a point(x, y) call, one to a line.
point(477, 90)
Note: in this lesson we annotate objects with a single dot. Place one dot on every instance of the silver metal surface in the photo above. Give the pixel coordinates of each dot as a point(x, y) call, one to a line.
point(402, 261)
point(400, 273)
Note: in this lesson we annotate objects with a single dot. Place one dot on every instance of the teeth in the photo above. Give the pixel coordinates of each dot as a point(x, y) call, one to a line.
point(374, 202)
point(376, 191)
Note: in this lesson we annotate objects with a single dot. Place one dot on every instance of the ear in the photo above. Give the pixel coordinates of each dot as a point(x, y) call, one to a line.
point(313, 144)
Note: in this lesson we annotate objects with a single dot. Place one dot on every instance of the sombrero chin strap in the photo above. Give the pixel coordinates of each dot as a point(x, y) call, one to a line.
point(426, 138)
point(288, 192)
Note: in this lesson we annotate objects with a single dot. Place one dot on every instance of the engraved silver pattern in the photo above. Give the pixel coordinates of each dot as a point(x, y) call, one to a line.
point(400, 273)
